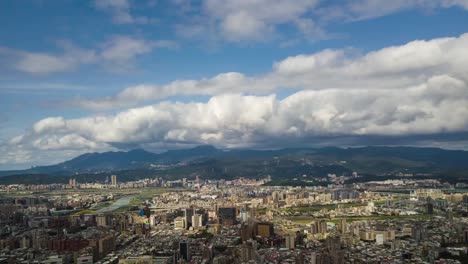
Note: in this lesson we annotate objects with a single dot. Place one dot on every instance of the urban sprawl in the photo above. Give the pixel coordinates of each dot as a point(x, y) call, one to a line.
point(238, 221)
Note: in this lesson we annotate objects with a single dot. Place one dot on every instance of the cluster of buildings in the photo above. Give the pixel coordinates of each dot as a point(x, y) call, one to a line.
point(239, 221)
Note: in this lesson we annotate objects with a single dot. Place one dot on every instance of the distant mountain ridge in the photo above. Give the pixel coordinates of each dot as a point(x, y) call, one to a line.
point(118, 160)
point(373, 160)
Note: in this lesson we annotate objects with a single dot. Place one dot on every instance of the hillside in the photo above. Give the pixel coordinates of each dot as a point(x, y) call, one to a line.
point(209, 162)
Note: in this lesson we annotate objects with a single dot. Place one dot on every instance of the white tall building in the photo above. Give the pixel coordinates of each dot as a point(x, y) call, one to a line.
point(370, 207)
point(180, 223)
point(114, 180)
point(379, 239)
point(244, 216)
point(197, 221)
point(290, 239)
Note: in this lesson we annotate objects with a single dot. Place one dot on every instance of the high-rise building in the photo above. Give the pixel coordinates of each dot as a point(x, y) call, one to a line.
point(265, 229)
point(299, 238)
point(319, 227)
point(188, 213)
point(465, 236)
point(72, 182)
point(197, 221)
point(343, 227)
point(429, 208)
point(246, 231)
point(101, 220)
point(184, 250)
point(179, 223)
point(418, 232)
point(275, 196)
point(465, 199)
point(114, 180)
point(449, 214)
point(248, 251)
point(227, 215)
point(379, 239)
point(367, 234)
point(314, 257)
point(290, 241)
point(244, 215)
point(252, 212)
point(207, 252)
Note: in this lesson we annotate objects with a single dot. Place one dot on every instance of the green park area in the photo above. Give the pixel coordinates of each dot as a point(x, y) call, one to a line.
point(318, 207)
point(307, 220)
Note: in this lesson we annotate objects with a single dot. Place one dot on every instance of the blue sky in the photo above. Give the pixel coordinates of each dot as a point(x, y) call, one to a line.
point(140, 69)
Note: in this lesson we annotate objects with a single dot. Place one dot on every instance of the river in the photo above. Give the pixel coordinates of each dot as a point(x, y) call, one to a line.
point(116, 205)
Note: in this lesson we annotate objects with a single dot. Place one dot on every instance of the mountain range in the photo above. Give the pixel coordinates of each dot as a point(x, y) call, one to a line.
point(211, 162)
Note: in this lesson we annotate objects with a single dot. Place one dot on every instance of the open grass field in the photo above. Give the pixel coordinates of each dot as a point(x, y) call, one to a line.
point(143, 193)
point(102, 205)
point(149, 193)
point(317, 208)
point(308, 220)
point(18, 194)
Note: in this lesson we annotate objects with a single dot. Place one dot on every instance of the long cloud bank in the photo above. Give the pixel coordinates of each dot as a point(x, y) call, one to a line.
point(439, 105)
point(420, 88)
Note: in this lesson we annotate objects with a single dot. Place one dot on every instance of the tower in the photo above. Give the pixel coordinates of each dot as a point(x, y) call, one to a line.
point(72, 182)
point(114, 180)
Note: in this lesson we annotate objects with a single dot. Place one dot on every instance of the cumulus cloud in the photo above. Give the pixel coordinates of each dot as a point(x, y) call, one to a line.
point(224, 82)
point(397, 67)
point(120, 11)
point(252, 19)
point(116, 53)
point(236, 21)
point(438, 105)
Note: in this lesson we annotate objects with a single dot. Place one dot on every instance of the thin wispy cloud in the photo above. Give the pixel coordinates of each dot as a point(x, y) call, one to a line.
point(120, 11)
point(117, 53)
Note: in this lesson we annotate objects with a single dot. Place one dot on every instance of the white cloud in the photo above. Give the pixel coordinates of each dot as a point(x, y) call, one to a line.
point(245, 20)
point(261, 20)
point(353, 10)
point(438, 105)
point(124, 48)
point(225, 82)
point(117, 53)
point(45, 63)
point(14, 156)
point(397, 67)
point(120, 10)
point(450, 3)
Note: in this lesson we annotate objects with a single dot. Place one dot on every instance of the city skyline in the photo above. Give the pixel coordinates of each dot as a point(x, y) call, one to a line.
point(95, 76)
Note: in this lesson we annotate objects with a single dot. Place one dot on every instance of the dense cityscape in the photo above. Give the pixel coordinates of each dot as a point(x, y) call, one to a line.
point(238, 221)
